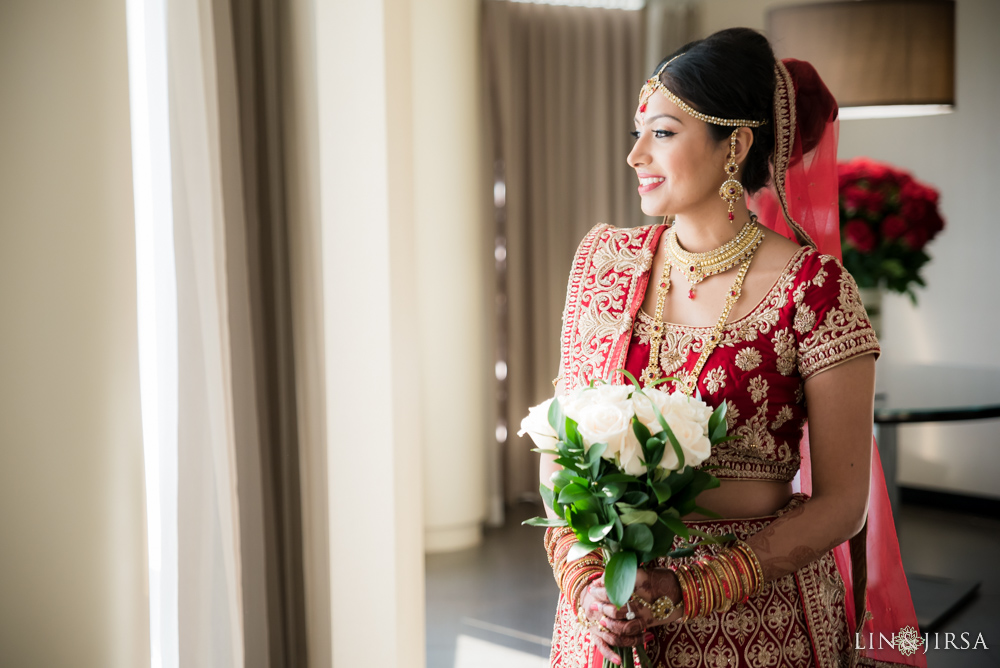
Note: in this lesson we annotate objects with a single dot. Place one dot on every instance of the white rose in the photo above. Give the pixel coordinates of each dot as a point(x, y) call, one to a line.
point(603, 415)
point(642, 404)
point(630, 457)
point(688, 420)
point(536, 424)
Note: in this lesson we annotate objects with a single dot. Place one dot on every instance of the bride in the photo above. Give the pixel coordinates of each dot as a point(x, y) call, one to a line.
point(774, 328)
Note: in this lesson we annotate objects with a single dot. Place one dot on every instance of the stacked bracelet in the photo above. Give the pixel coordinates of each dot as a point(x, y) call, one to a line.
point(574, 577)
point(715, 583)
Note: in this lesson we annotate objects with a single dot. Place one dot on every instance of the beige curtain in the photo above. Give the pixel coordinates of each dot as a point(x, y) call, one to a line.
point(562, 84)
point(670, 24)
point(240, 579)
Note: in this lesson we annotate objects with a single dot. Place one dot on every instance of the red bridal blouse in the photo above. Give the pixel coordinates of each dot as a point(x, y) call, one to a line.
point(810, 320)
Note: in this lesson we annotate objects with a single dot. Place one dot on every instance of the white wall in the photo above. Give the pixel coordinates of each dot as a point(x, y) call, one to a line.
point(957, 319)
point(72, 535)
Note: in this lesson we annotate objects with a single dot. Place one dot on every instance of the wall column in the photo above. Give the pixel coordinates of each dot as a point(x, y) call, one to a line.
point(453, 255)
point(365, 162)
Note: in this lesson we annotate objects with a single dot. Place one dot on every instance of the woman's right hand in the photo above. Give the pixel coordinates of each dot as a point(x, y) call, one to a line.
point(626, 633)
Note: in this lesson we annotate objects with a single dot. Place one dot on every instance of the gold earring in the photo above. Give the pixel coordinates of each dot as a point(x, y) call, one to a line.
point(731, 190)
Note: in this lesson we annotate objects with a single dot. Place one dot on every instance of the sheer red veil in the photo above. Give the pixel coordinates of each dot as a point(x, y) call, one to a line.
point(802, 204)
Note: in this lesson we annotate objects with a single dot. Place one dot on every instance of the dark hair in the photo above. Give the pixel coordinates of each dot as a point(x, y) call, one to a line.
point(730, 74)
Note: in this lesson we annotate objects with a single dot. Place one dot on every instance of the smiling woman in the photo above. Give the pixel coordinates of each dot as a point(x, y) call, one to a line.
point(773, 330)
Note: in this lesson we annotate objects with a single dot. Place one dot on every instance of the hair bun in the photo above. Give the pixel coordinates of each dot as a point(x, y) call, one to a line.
point(815, 105)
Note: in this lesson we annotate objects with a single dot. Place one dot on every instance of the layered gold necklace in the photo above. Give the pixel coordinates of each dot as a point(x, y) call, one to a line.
point(699, 266)
point(689, 382)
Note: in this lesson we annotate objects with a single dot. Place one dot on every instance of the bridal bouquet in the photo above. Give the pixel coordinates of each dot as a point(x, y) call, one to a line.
point(627, 477)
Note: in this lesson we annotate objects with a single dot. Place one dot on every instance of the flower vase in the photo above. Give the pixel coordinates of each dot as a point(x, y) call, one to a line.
point(871, 298)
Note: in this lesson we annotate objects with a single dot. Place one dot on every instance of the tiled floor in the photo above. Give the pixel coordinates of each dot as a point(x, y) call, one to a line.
point(493, 605)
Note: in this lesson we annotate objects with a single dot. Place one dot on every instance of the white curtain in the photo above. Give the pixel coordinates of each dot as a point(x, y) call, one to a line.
point(210, 595)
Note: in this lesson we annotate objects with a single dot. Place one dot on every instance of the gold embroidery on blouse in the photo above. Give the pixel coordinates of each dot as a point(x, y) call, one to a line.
point(732, 415)
point(676, 345)
point(783, 416)
point(844, 333)
point(820, 278)
point(715, 379)
point(784, 348)
point(755, 435)
point(805, 319)
point(748, 359)
point(758, 388)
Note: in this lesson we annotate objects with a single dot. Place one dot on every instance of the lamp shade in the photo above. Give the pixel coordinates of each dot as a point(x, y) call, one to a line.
point(879, 58)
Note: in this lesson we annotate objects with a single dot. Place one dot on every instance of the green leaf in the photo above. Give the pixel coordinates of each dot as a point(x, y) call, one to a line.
point(628, 375)
point(655, 455)
point(619, 577)
point(663, 539)
point(681, 478)
point(594, 457)
point(638, 537)
point(569, 463)
point(708, 538)
point(674, 443)
point(618, 477)
point(544, 522)
point(662, 491)
point(561, 478)
point(595, 452)
point(573, 434)
point(619, 527)
point(718, 417)
point(589, 502)
point(580, 549)
point(640, 430)
point(676, 526)
point(556, 419)
point(572, 493)
point(632, 516)
point(581, 521)
point(597, 534)
point(670, 435)
point(546, 451)
point(660, 381)
point(717, 432)
point(548, 496)
point(635, 498)
point(681, 552)
point(612, 491)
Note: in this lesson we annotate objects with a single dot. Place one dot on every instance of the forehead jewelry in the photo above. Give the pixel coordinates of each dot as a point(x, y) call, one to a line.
point(654, 84)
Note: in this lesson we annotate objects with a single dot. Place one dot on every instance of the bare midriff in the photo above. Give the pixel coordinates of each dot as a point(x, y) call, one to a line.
point(744, 498)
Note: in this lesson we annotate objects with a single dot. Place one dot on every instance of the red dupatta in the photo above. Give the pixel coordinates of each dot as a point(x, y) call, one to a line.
point(802, 204)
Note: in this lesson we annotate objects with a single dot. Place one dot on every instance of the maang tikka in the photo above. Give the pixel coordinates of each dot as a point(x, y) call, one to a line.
point(731, 189)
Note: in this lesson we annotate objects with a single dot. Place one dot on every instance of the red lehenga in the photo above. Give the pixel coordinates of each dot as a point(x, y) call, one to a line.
point(809, 321)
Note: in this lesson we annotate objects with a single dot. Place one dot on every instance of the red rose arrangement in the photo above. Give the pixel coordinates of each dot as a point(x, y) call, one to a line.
point(886, 220)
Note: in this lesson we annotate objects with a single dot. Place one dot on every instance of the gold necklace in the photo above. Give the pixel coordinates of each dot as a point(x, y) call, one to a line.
point(690, 380)
point(699, 266)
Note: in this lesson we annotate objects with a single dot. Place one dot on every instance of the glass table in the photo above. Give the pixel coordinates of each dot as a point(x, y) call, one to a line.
point(912, 394)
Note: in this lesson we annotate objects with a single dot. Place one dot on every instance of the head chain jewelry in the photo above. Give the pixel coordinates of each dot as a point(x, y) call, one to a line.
point(654, 84)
